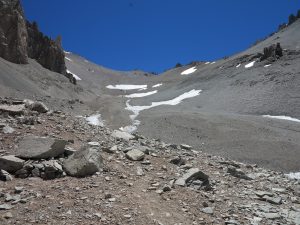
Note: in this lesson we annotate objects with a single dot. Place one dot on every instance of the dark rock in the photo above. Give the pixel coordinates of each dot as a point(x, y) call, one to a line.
point(13, 32)
point(39, 107)
point(32, 147)
point(272, 52)
point(5, 176)
point(190, 176)
point(47, 52)
point(179, 161)
point(11, 163)
point(237, 173)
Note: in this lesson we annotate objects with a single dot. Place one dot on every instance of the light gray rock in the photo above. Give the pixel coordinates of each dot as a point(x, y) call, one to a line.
point(83, 163)
point(135, 155)
point(10, 163)
point(186, 147)
point(93, 144)
point(111, 150)
point(139, 171)
point(208, 210)
point(5, 207)
point(32, 147)
point(8, 130)
point(122, 135)
point(272, 216)
point(13, 110)
point(191, 175)
point(52, 169)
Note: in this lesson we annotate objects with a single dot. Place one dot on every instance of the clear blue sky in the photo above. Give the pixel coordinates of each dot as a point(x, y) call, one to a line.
point(154, 35)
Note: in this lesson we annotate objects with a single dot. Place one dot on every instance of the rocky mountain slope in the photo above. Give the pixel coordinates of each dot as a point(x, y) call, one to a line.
point(205, 143)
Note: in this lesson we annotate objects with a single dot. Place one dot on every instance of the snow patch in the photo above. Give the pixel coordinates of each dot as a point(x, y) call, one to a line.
point(189, 71)
point(67, 52)
point(68, 59)
point(140, 95)
point(238, 65)
point(249, 65)
point(207, 63)
point(293, 176)
point(282, 118)
point(137, 109)
point(157, 85)
point(127, 87)
point(95, 120)
point(74, 75)
point(212, 63)
point(267, 65)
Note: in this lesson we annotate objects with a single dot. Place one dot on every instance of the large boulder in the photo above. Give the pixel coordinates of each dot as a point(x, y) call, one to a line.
point(39, 107)
point(122, 135)
point(11, 163)
point(32, 147)
point(12, 110)
point(13, 32)
point(83, 163)
point(272, 53)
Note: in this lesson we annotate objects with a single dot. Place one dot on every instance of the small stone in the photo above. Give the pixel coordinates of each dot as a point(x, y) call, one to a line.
point(18, 190)
point(186, 147)
point(8, 130)
point(190, 175)
point(166, 188)
point(272, 216)
point(8, 215)
point(5, 176)
point(139, 171)
point(208, 210)
point(135, 155)
point(107, 195)
point(5, 207)
point(127, 216)
point(10, 163)
point(93, 144)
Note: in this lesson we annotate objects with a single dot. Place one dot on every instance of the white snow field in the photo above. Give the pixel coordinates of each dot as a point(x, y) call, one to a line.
point(293, 176)
point(238, 65)
point(282, 118)
point(189, 71)
point(74, 75)
point(127, 87)
point(140, 95)
point(267, 65)
point(249, 65)
point(95, 120)
point(137, 109)
point(157, 85)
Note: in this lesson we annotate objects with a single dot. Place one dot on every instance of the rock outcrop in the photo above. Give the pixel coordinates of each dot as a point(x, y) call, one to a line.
point(47, 52)
point(13, 32)
point(272, 52)
point(20, 39)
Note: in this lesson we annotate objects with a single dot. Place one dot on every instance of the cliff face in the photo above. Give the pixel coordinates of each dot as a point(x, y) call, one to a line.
point(47, 52)
point(13, 32)
point(20, 39)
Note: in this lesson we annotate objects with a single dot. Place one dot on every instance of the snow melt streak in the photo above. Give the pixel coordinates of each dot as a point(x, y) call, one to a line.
point(137, 109)
point(282, 118)
point(140, 95)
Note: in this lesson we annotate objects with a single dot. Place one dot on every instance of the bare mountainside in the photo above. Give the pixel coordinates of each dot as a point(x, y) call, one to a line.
point(206, 143)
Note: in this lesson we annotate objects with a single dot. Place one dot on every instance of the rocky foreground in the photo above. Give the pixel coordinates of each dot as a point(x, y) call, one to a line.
point(58, 169)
